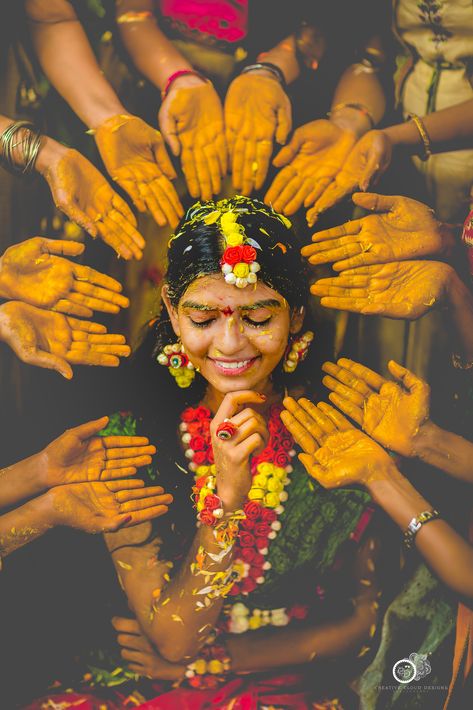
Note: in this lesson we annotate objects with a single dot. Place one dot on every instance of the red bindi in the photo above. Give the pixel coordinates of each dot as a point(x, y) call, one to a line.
point(227, 311)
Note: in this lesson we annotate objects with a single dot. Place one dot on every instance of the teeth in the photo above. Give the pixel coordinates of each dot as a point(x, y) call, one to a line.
point(233, 365)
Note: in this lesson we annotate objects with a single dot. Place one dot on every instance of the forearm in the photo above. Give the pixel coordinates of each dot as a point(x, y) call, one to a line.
point(283, 55)
point(444, 450)
point(446, 552)
point(449, 129)
point(20, 481)
point(69, 63)
point(353, 85)
point(24, 525)
point(460, 315)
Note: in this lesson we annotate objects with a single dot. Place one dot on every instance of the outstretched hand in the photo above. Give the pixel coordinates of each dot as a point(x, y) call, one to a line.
point(191, 121)
point(309, 162)
point(135, 156)
point(80, 455)
point(257, 112)
point(105, 507)
point(391, 412)
point(54, 341)
point(402, 229)
point(31, 272)
point(399, 289)
point(367, 161)
point(335, 453)
point(84, 195)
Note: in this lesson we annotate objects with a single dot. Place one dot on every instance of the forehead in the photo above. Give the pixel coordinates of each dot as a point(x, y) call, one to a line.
point(214, 291)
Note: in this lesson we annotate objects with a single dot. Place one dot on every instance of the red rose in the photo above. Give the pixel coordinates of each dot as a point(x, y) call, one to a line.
point(276, 441)
point(268, 515)
point(281, 459)
point(199, 458)
point(194, 681)
point(298, 611)
point(248, 585)
point(248, 524)
point(194, 428)
point(206, 517)
point(234, 590)
point(202, 413)
point(248, 254)
point(275, 425)
point(212, 502)
point(247, 554)
point(258, 560)
point(210, 455)
point(252, 510)
point(232, 255)
point(246, 539)
point(261, 543)
point(262, 530)
point(287, 443)
point(197, 443)
point(188, 415)
point(255, 572)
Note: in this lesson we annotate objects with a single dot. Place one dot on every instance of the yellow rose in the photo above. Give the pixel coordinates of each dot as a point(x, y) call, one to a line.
point(200, 666)
point(228, 220)
point(256, 494)
point(202, 470)
point(255, 622)
point(265, 467)
point(233, 239)
point(260, 480)
point(271, 500)
point(241, 270)
point(275, 485)
point(215, 666)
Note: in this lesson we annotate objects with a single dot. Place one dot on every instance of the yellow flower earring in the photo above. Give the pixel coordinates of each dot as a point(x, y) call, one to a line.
point(180, 367)
point(297, 351)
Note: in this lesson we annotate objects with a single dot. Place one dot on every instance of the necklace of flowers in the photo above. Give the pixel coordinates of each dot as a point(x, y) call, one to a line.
point(270, 475)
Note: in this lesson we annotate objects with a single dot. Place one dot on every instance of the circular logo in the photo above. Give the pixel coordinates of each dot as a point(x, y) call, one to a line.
point(404, 671)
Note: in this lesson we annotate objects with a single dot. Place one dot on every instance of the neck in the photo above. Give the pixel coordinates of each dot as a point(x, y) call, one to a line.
point(213, 397)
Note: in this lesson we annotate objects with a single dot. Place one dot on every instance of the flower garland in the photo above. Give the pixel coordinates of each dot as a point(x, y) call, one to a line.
point(270, 471)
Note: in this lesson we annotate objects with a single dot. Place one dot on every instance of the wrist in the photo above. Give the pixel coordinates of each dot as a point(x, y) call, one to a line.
point(397, 497)
point(49, 154)
point(351, 120)
point(45, 511)
point(426, 440)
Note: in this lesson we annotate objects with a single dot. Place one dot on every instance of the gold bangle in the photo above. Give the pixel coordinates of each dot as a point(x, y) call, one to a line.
point(128, 17)
point(30, 140)
point(426, 142)
point(357, 107)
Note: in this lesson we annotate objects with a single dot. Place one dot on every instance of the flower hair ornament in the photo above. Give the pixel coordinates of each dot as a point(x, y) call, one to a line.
point(239, 262)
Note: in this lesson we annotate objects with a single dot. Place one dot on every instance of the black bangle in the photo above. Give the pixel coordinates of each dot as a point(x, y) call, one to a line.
point(272, 68)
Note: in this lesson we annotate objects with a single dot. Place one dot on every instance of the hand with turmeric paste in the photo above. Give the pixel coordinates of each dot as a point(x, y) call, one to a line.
point(334, 452)
point(33, 272)
point(191, 121)
point(368, 159)
point(399, 229)
point(257, 112)
point(135, 157)
point(310, 160)
point(84, 195)
point(399, 289)
point(390, 412)
point(55, 341)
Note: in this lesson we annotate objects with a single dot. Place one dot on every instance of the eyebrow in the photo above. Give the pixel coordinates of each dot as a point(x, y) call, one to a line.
point(266, 303)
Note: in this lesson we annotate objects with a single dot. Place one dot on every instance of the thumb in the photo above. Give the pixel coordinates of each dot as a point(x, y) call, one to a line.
point(85, 431)
point(117, 523)
point(375, 203)
point(162, 158)
point(47, 361)
point(284, 123)
point(307, 460)
point(402, 374)
point(168, 126)
point(77, 215)
point(371, 169)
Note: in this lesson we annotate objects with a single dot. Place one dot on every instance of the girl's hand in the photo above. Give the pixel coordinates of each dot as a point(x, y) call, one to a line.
point(135, 156)
point(335, 453)
point(257, 112)
point(80, 456)
point(141, 656)
point(232, 456)
point(191, 121)
point(51, 340)
point(367, 161)
point(391, 412)
point(30, 272)
point(310, 160)
point(101, 507)
point(400, 289)
point(403, 229)
point(83, 194)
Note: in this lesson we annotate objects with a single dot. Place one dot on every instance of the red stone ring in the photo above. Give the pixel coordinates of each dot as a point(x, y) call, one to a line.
point(226, 430)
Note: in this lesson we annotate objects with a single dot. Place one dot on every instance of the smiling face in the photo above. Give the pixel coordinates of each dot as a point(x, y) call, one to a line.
point(235, 337)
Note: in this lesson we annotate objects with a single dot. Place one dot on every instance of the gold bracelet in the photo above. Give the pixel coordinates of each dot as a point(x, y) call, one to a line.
point(357, 107)
point(128, 17)
point(426, 142)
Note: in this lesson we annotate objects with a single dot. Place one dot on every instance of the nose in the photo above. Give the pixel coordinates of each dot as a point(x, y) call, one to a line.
point(231, 339)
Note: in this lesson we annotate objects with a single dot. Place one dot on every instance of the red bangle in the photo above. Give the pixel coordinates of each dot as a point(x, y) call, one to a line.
point(176, 75)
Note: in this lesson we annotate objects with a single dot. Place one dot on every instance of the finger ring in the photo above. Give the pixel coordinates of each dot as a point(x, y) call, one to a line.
point(226, 430)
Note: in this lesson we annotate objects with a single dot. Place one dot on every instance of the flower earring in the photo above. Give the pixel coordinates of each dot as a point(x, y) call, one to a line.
point(180, 367)
point(297, 351)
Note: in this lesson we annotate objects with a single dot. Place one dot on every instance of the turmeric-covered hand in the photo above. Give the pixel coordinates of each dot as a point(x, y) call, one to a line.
point(142, 658)
point(257, 112)
point(135, 157)
point(84, 195)
point(54, 341)
point(368, 160)
point(31, 272)
point(101, 507)
point(80, 455)
point(335, 453)
point(309, 162)
point(191, 121)
point(391, 412)
point(400, 289)
point(403, 229)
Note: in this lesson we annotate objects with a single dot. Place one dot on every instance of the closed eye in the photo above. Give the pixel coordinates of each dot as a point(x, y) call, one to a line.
point(256, 323)
point(202, 323)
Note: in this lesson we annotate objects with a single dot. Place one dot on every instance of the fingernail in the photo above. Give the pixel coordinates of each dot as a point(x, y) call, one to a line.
point(263, 396)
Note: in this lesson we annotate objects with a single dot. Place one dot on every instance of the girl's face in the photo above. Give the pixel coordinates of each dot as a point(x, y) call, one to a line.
point(235, 337)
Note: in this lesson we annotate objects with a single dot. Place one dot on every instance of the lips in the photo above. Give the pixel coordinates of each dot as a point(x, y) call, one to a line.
point(232, 368)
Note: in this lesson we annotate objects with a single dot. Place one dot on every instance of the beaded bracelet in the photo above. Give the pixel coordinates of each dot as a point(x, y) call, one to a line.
point(182, 72)
point(426, 142)
point(268, 66)
point(415, 525)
